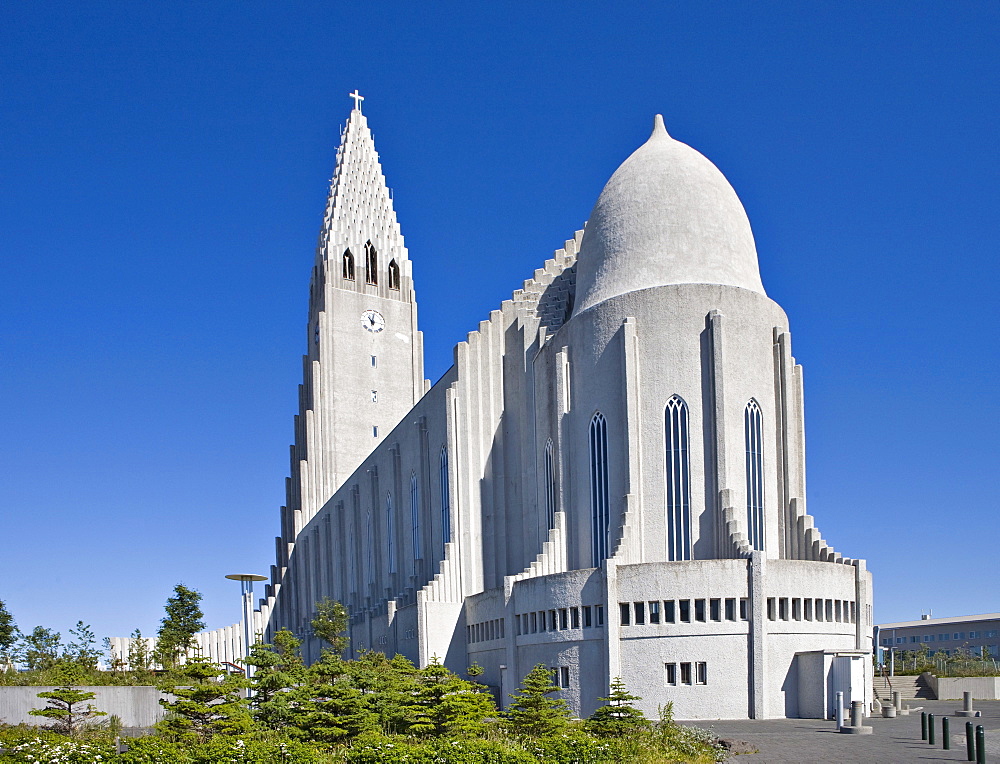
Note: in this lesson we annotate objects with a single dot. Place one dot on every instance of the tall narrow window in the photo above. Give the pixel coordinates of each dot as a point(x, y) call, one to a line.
point(550, 487)
point(390, 534)
point(348, 265)
point(370, 550)
point(600, 513)
point(678, 481)
point(754, 429)
point(371, 264)
point(445, 498)
point(393, 275)
point(415, 516)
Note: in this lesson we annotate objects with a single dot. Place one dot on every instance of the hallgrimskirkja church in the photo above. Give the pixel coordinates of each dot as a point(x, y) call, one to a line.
point(609, 481)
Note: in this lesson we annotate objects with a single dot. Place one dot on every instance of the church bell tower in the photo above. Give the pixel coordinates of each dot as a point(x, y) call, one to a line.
point(364, 367)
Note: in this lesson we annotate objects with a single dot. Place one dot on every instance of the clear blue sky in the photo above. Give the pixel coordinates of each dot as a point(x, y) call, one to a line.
point(164, 171)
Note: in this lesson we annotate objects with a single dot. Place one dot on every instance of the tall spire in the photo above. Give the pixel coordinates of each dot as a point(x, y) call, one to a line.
point(359, 208)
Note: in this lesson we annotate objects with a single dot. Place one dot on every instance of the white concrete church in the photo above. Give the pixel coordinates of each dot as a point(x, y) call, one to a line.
point(610, 479)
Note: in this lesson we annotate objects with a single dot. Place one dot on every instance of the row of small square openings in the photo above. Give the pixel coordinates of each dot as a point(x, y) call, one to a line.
point(560, 619)
point(683, 611)
point(485, 631)
point(695, 672)
point(808, 609)
point(371, 267)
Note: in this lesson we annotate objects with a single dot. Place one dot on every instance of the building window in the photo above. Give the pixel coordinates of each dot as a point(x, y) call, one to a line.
point(390, 534)
point(715, 609)
point(754, 432)
point(600, 615)
point(373, 362)
point(374, 430)
point(796, 609)
point(574, 613)
point(587, 623)
point(771, 609)
point(685, 610)
point(370, 550)
point(445, 497)
point(654, 612)
point(730, 608)
point(563, 619)
point(744, 614)
point(699, 610)
point(701, 673)
point(678, 481)
point(685, 673)
point(550, 487)
point(599, 508)
point(374, 396)
point(564, 676)
point(371, 264)
point(669, 612)
point(783, 608)
point(626, 613)
point(640, 613)
point(671, 672)
point(415, 517)
point(393, 275)
point(348, 266)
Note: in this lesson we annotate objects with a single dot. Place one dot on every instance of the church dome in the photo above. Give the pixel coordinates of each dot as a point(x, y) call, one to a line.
point(667, 216)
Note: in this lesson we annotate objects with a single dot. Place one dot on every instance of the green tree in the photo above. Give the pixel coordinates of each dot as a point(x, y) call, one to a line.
point(533, 712)
point(140, 656)
point(177, 629)
point(83, 648)
point(619, 717)
point(65, 704)
point(9, 636)
point(40, 649)
point(446, 704)
point(278, 669)
point(330, 624)
point(206, 702)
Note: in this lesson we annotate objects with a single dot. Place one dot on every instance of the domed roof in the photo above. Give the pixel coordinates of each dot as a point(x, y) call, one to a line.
point(667, 216)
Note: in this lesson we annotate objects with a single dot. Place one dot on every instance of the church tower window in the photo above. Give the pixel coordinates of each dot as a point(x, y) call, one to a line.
point(371, 264)
point(390, 535)
point(678, 481)
point(415, 516)
point(348, 266)
point(550, 486)
point(753, 426)
point(445, 498)
point(370, 551)
point(600, 512)
point(393, 275)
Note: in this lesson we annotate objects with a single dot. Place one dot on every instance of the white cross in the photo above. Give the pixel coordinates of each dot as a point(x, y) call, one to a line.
point(357, 99)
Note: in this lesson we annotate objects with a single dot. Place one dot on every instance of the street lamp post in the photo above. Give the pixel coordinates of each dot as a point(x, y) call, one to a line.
point(246, 587)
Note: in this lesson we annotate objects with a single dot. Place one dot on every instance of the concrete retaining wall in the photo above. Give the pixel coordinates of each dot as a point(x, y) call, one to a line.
point(136, 706)
point(951, 688)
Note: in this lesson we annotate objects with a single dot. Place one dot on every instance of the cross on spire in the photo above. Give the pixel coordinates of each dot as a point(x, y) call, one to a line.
point(357, 99)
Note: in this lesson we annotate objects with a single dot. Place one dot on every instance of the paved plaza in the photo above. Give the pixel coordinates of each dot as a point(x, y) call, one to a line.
point(782, 741)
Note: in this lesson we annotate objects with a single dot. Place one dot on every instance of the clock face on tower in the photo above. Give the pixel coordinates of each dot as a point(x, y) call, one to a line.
point(373, 321)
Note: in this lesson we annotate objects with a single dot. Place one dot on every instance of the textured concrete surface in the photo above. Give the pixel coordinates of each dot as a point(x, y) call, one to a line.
point(783, 741)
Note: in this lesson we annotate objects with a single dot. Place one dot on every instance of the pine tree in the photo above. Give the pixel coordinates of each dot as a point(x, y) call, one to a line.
point(533, 712)
point(619, 717)
point(206, 702)
point(446, 704)
point(83, 649)
point(279, 668)
point(65, 703)
point(140, 657)
point(177, 629)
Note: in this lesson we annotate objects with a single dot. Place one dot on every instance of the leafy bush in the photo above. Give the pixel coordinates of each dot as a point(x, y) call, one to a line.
point(58, 750)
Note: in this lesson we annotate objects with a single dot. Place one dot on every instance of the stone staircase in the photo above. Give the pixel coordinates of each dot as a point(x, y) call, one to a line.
point(908, 687)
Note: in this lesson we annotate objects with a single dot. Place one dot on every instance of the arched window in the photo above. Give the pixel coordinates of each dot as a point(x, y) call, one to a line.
point(678, 481)
point(371, 264)
point(390, 535)
point(415, 516)
point(600, 513)
point(753, 427)
point(348, 265)
point(445, 498)
point(550, 486)
point(393, 275)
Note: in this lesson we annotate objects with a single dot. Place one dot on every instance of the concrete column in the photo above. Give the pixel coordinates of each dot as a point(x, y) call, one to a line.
point(757, 636)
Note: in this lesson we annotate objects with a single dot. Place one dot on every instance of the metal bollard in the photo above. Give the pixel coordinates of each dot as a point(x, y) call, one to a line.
point(857, 713)
point(840, 709)
point(923, 725)
point(946, 734)
point(930, 729)
point(970, 741)
point(980, 744)
point(966, 701)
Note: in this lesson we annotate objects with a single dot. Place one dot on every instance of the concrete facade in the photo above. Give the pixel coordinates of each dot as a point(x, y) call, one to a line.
point(976, 634)
point(610, 486)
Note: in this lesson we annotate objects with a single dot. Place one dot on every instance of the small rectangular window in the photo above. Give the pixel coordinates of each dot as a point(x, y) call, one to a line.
point(503, 628)
point(743, 609)
point(640, 613)
point(374, 363)
point(730, 608)
point(671, 672)
point(574, 617)
point(807, 607)
point(552, 620)
point(685, 608)
point(600, 615)
point(699, 610)
point(783, 608)
point(854, 612)
point(669, 612)
point(563, 618)
point(626, 613)
point(654, 612)
point(543, 621)
point(701, 673)
point(838, 614)
point(829, 610)
point(534, 623)
point(819, 609)
point(586, 617)
point(796, 609)
point(685, 673)
point(715, 609)
point(772, 609)
point(375, 431)
point(564, 676)
point(374, 396)
point(517, 625)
